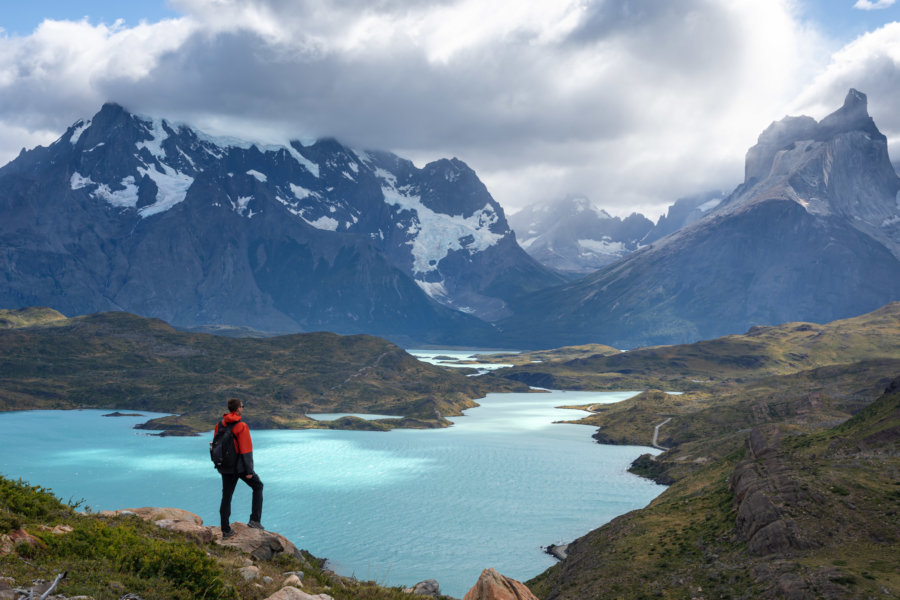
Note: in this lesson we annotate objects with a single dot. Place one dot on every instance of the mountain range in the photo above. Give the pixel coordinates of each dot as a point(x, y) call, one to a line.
point(812, 234)
point(133, 213)
point(574, 237)
point(140, 214)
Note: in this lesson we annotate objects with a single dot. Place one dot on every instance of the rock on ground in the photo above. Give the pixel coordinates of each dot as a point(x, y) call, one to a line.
point(494, 586)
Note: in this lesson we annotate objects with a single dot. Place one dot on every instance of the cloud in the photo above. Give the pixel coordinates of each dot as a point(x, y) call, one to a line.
point(630, 103)
point(871, 64)
point(877, 5)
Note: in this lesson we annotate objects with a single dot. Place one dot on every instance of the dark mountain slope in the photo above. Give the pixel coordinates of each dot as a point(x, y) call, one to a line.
point(134, 213)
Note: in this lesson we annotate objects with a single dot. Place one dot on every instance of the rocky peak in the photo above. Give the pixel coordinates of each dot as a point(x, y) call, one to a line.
point(783, 134)
point(852, 116)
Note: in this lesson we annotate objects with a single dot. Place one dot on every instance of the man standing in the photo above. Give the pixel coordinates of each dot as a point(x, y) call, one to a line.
point(243, 469)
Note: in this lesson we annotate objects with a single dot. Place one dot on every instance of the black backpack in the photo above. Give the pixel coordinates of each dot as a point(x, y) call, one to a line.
point(221, 449)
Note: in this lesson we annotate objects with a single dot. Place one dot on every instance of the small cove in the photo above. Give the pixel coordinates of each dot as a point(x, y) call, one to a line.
point(395, 507)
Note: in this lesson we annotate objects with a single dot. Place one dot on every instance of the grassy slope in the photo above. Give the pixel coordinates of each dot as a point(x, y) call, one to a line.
point(817, 375)
point(121, 361)
point(837, 490)
point(108, 557)
point(761, 352)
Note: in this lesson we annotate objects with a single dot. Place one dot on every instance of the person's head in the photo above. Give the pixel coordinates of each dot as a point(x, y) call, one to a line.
point(235, 404)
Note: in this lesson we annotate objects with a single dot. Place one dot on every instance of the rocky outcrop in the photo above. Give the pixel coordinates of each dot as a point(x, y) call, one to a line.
point(429, 587)
point(494, 586)
point(762, 485)
point(260, 544)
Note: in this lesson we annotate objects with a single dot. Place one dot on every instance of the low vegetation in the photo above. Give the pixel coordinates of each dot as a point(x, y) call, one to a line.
point(122, 361)
point(788, 513)
point(111, 557)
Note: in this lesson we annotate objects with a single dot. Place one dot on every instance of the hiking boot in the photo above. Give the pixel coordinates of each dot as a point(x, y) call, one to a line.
point(227, 533)
point(255, 525)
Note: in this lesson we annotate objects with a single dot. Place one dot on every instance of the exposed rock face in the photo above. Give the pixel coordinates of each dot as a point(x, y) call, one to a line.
point(429, 587)
point(262, 545)
point(494, 586)
point(813, 234)
point(761, 485)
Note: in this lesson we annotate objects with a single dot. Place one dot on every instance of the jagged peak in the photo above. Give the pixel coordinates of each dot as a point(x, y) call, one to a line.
point(853, 115)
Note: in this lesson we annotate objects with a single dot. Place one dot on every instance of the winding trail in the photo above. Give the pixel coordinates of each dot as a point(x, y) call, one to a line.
point(656, 434)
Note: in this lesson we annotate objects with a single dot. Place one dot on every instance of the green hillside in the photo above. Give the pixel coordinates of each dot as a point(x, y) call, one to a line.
point(787, 514)
point(761, 352)
point(122, 361)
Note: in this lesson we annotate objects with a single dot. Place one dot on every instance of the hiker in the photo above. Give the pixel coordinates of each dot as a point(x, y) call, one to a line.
point(241, 468)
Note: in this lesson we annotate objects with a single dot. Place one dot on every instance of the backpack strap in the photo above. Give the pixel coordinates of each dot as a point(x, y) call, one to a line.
point(230, 427)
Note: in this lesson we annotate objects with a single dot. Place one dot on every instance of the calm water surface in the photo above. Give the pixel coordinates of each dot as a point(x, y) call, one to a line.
point(395, 507)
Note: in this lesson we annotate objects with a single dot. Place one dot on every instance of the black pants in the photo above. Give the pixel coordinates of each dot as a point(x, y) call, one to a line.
point(228, 484)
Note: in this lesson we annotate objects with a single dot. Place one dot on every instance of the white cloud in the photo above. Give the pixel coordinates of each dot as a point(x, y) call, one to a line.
point(630, 103)
point(871, 64)
point(877, 5)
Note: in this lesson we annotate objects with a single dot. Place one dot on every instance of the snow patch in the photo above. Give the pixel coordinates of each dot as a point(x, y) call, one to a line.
point(434, 235)
point(604, 246)
point(326, 223)
point(709, 205)
point(172, 189)
point(78, 181)
point(526, 243)
point(257, 175)
point(891, 221)
point(157, 136)
point(242, 208)
point(389, 177)
point(307, 164)
point(126, 197)
point(301, 192)
point(435, 289)
point(80, 127)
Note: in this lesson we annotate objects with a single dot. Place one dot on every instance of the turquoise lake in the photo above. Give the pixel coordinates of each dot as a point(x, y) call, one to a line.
point(396, 507)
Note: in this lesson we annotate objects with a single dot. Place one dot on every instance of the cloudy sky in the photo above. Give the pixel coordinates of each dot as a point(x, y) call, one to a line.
point(633, 103)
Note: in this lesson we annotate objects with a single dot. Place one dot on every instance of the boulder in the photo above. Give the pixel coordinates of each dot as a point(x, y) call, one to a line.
point(202, 534)
point(429, 587)
point(154, 513)
point(9, 541)
point(292, 593)
point(249, 573)
point(494, 586)
point(262, 545)
point(57, 530)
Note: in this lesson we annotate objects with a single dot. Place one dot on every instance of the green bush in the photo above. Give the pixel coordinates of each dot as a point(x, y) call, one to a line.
point(182, 564)
point(20, 502)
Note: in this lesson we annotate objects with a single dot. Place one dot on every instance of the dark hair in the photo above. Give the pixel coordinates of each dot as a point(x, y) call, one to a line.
point(234, 404)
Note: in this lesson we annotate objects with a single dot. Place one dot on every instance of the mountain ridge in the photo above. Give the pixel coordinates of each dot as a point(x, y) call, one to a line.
point(132, 213)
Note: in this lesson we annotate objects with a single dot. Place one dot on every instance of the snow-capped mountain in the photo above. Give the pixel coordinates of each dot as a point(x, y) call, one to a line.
point(813, 234)
point(575, 237)
point(140, 214)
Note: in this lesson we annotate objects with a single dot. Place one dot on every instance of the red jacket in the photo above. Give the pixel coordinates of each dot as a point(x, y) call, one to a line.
point(242, 442)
